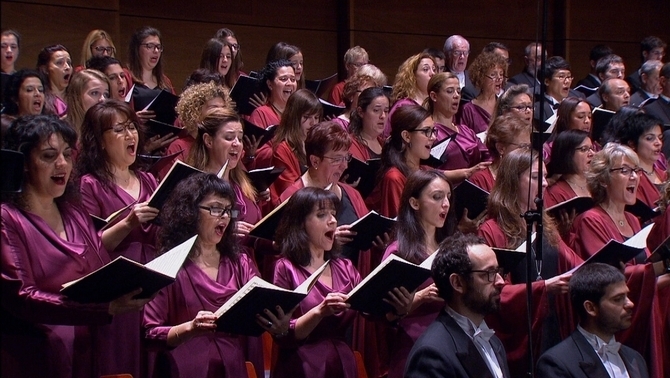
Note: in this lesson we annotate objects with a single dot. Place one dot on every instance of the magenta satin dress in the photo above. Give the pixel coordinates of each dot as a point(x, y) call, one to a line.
point(43, 333)
point(465, 149)
point(324, 353)
point(474, 117)
point(214, 355)
point(140, 245)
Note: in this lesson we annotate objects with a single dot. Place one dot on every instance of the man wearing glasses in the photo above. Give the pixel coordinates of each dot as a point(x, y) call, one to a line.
point(609, 67)
point(651, 48)
point(557, 80)
point(459, 343)
point(457, 51)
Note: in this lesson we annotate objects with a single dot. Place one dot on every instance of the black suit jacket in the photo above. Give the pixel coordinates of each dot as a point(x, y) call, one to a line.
point(469, 91)
point(541, 124)
point(444, 350)
point(574, 357)
point(637, 98)
point(659, 108)
point(634, 81)
point(594, 100)
point(589, 82)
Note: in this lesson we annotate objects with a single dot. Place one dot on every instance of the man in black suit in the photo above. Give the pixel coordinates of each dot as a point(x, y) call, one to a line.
point(589, 85)
point(459, 343)
point(532, 58)
point(661, 107)
point(608, 67)
point(651, 48)
point(651, 82)
point(457, 51)
point(557, 80)
point(599, 295)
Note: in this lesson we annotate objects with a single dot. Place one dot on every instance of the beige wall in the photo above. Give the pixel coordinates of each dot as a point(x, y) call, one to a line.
point(390, 30)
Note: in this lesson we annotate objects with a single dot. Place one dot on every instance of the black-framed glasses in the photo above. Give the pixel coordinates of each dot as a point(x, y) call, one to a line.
point(121, 128)
point(522, 108)
point(564, 77)
point(627, 171)
point(219, 212)
point(427, 131)
point(496, 77)
point(584, 149)
point(101, 49)
point(339, 160)
point(490, 273)
point(152, 46)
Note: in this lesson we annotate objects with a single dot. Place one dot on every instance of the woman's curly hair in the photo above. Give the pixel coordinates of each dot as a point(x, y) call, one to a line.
point(189, 107)
point(404, 85)
point(180, 215)
point(482, 64)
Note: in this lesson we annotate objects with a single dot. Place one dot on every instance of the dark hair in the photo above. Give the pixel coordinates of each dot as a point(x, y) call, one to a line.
point(599, 51)
point(604, 63)
point(224, 33)
point(134, 64)
point(452, 258)
point(634, 127)
point(616, 122)
point(649, 43)
point(302, 102)
point(364, 100)
point(565, 146)
point(92, 158)
point(409, 232)
point(101, 63)
point(408, 117)
point(43, 59)
point(10, 98)
point(492, 46)
point(25, 134)
point(210, 60)
point(435, 53)
point(326, 136)
point(292, 235)
point(180, 215)
point(554, 64)
point(589, 283)
point(564, 115)
point(269, 72)
point(284, 51)
point(665, 71)
point(8, 32)
point(202, 76)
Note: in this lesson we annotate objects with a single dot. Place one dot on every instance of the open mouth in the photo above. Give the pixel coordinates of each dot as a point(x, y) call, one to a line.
point(330, 235)
point(131, 149)
point(220, 229)
point(288, 92)
point(122, 92)
point(443, 215)
point(67, 78)
point(59, 179)
point(631, 189)
point(234, 155)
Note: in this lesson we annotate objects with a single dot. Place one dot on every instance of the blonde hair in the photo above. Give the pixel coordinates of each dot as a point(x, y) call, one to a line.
point(91, 38)
point(599, 173)
point(405, 80)
point(74, 91)
point(191, 101)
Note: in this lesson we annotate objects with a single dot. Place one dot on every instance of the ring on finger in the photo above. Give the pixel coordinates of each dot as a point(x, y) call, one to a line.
point(269, 324)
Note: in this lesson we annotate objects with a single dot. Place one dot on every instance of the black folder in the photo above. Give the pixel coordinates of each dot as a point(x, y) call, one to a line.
point(600, 118)
point(368, 228)
point(156, 163)
point(643, 211)
point(266, 227)
point(331, 110)
point(366, 171)
point(321, 87)
point(265, 135)
point(508, 259)
point(177, 173)
point(13, 167)
point(161, 128)
point(242, 91)
point(469, 196)
point(262, 178)
point(438, 152)
point(579, 204)
point(615, 252)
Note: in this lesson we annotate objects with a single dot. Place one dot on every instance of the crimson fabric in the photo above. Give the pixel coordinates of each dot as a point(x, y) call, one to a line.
point(264, 116)
point(284, 157)
point(385, 197)
point(474, 117)
point(483, 179)
point(182, 144)
point(559, 192)
point(337, 94)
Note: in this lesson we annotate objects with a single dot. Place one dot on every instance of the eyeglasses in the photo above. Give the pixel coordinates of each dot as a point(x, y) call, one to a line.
point(338, 160)
point(152, 46)
point(584, 149)
point(456, 53)
point(496, 77)
point(121, 128)
point(101, 49)
point(220, 212)
point(427, 131)
point(491, 274)
point(235, 46)
point(564, 77)
point(627, 171)
point(522, 108)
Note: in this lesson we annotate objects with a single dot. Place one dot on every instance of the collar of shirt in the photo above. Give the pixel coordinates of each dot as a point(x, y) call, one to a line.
point(665, 98)
point(469, 327)
point(608, 352)
point(596, 78)
point(649, 95)
point(480, 337)
point(461, 78)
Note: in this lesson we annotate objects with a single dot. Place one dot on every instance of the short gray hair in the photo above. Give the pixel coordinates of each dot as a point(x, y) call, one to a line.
point(449, 43)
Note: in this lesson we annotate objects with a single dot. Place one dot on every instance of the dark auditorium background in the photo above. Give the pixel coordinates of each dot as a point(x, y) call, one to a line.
point(390, 30)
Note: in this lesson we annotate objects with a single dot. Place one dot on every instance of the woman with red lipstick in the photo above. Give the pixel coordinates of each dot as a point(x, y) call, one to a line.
point(516, 183)
point(572, 114)
point(412, 136)
point(487, 72)
point(315, 344)
point(24, 95)
point(285, 51)
point(424, 220)
point(367, 124)
point(507, 133)
point(466, 153)
point(217, 56)
point(303, 111)
point(278, 82)
point(10, 43)
point(48, 239)
point(109, 181)
point(87, 88)
point(411, 84)
point(180, 321)
point(55, 64)
point(144, 59)
point(644, 134)
point(613, 182)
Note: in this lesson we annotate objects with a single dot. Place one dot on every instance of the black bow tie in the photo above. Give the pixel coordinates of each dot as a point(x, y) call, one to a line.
point(555, 105)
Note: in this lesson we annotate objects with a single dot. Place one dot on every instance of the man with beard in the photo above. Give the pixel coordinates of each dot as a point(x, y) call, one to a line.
point(599, 295)
point(459, 343)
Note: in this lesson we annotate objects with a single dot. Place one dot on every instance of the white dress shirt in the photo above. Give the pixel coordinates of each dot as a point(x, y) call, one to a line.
point(608, 352)
point(480, 337)
point(461, 78)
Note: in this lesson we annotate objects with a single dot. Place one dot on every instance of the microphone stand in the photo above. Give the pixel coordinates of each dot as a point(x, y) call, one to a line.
point(534, 217)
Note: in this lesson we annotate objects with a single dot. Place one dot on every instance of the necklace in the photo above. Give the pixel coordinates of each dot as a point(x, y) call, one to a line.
point(575, 184)
point(621, 222)
point(276, 109)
